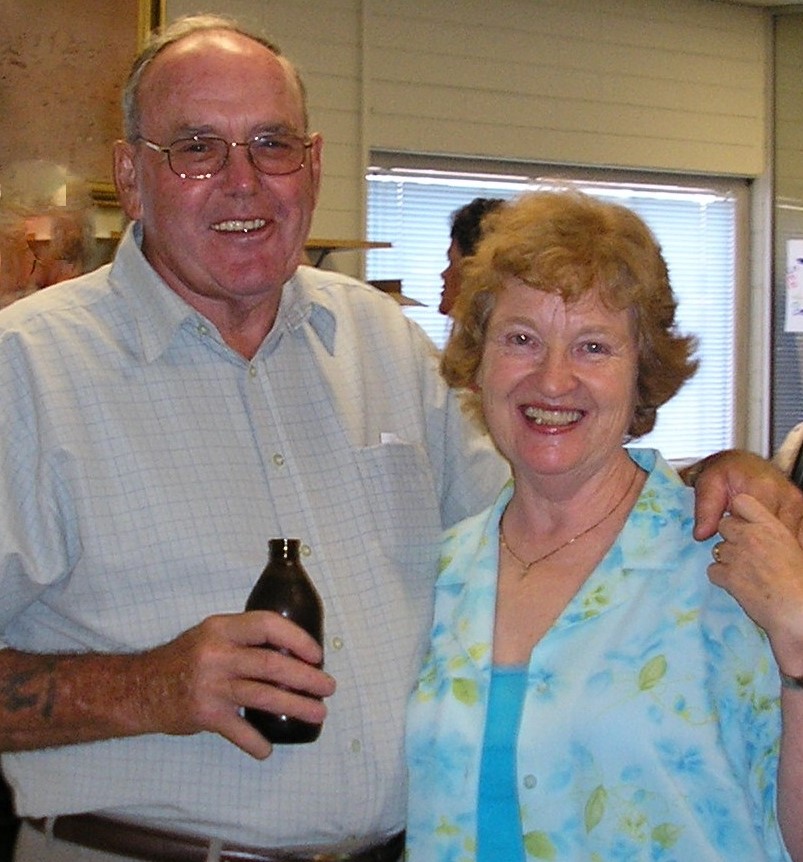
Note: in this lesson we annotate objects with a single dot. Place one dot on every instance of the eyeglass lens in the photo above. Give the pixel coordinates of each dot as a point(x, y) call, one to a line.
point(200, 157)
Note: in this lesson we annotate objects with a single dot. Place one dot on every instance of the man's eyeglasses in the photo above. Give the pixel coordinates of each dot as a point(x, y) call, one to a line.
point(201, 156)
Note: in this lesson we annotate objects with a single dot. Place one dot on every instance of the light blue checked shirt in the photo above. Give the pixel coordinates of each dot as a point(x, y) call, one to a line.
point(144, 467)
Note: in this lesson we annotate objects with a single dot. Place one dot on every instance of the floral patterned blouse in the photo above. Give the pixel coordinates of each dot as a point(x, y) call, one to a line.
point(651, 723)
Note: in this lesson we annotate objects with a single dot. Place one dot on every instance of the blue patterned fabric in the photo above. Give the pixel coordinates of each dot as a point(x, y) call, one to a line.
point(651, 723)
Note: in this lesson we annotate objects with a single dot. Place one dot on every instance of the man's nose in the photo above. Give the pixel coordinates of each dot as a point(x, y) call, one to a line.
point(239, 167)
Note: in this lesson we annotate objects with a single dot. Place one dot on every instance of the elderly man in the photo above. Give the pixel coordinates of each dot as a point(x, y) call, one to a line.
point(163, 418)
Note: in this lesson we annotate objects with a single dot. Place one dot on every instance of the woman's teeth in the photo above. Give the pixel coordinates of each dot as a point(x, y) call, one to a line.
point(552, 417)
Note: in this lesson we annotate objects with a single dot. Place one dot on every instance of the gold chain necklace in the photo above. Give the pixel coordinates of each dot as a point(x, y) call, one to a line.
point(525, 567)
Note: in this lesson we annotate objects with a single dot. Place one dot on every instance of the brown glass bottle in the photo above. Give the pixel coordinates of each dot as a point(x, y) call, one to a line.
point(285, 587)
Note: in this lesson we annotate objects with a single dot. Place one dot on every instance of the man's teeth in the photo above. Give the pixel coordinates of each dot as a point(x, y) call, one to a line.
point(239, 225)
point(552, 417)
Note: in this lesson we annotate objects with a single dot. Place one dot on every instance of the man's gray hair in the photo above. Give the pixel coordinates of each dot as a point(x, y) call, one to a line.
point(174, 32)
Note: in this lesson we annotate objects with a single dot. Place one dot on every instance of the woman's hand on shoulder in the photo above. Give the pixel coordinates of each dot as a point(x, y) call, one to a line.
point(760, 563)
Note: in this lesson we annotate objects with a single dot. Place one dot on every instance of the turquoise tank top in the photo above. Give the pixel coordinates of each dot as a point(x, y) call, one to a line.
point(498, 821)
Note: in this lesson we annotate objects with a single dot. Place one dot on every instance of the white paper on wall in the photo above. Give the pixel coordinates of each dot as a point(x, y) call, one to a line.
point(794, 285)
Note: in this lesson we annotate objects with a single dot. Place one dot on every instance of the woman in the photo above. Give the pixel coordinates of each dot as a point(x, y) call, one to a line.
point(588, 693)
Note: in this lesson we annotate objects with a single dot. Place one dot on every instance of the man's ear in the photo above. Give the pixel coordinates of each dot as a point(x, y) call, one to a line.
point(315, 160)
point(125, 179)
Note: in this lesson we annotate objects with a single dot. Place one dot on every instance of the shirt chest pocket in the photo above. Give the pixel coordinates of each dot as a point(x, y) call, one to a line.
point(402, 502)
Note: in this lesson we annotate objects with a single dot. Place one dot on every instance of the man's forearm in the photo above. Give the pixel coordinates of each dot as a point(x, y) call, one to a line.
point(49, 700)
point(718, 478)
point(197, 682)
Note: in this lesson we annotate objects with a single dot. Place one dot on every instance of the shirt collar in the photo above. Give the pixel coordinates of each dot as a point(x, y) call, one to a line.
point(159, 313)
point(302, 303)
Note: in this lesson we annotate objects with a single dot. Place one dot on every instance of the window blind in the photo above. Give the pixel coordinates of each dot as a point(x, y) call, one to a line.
point(695, 225)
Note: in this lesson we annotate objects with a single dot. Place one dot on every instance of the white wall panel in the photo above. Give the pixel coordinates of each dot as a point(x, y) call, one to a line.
point(668, 85)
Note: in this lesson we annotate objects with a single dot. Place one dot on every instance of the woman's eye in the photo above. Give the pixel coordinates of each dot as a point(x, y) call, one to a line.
point(595, 347)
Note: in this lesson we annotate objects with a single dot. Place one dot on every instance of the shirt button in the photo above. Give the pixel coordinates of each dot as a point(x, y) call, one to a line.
point(252, 372)
point(306, 551)
point(278, 460)
point(542, 687)
point(337, 643)
point(356, 746)
point(203, 329)
point(530, 781)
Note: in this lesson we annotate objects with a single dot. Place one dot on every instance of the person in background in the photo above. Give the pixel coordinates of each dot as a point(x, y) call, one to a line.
point(18, 263)
point(466, 229)
point(53, 209)
point(70, 249)
point(588, 692)
point(163, 418)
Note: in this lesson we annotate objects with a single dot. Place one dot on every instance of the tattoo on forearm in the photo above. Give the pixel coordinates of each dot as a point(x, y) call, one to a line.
point(13, 693)
point(25, 690)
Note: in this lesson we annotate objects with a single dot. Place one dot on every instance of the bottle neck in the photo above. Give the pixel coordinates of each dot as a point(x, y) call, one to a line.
point(284, 549)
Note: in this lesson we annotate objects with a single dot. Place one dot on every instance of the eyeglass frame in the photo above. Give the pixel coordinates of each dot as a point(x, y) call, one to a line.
point(159, 148)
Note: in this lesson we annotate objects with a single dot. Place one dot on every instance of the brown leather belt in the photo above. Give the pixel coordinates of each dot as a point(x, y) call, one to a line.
point(157, 845)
